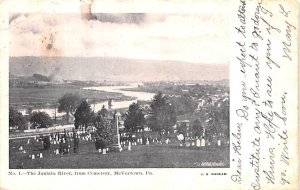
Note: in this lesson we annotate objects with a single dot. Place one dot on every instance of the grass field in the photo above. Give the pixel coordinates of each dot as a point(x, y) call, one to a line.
point(141, 156)
point(52, 94)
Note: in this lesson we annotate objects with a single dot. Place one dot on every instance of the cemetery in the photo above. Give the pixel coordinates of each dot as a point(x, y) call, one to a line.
point(161, 109)
point(135, 138)
point(64, 150)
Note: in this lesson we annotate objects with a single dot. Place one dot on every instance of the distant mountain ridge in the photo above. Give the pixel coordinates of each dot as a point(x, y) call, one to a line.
point(115, 69)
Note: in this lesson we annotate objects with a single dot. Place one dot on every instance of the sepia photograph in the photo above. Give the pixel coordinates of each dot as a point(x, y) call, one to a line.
point(118, 90)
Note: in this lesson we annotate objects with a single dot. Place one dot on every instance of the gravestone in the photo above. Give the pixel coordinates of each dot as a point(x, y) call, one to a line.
point(167, 141)
point(33, 157)
point(104, 151)
point(41, 155)
point(198, 143)
point(219, 142)
point(129, 146)
point(202, 142)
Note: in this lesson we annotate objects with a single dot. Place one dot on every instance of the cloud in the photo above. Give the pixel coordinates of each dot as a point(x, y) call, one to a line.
point(197, 38)
point(131, 18)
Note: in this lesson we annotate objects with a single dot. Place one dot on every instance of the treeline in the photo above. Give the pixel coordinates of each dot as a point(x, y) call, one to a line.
point(161, 117)
point(18, 121)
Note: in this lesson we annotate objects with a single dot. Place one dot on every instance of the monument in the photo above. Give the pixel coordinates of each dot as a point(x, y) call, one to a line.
point(116, 146)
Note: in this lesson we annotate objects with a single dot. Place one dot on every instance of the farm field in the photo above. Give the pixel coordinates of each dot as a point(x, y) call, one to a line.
point(31, 96)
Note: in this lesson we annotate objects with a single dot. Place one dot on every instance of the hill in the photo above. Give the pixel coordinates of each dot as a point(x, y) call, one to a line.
point(115, 69)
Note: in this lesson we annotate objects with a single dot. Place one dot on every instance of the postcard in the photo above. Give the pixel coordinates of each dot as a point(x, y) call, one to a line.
point(149, 95)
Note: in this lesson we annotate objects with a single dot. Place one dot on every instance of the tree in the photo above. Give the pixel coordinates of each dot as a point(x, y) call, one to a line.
point(104, 130)
point(40, 120)
point(182, 128)
point(134, 118)
point(103, 112)
point(214, 124)
point(198, 129)
point(219, 121)
point(163, 115)
point(46, 143)
point(29, 110)
point(184, 104)
point(83, 115)
point(16, 119)
point(225, 117)
point(68, 103)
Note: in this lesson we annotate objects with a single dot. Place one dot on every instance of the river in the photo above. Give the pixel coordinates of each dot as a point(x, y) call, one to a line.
point(144, 96)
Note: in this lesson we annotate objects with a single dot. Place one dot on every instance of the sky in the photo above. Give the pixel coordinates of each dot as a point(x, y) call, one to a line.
point(189, 37)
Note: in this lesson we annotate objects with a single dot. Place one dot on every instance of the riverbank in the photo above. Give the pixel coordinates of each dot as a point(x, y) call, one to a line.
point(41, 98)
point(45, 99)
point(120, 104)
